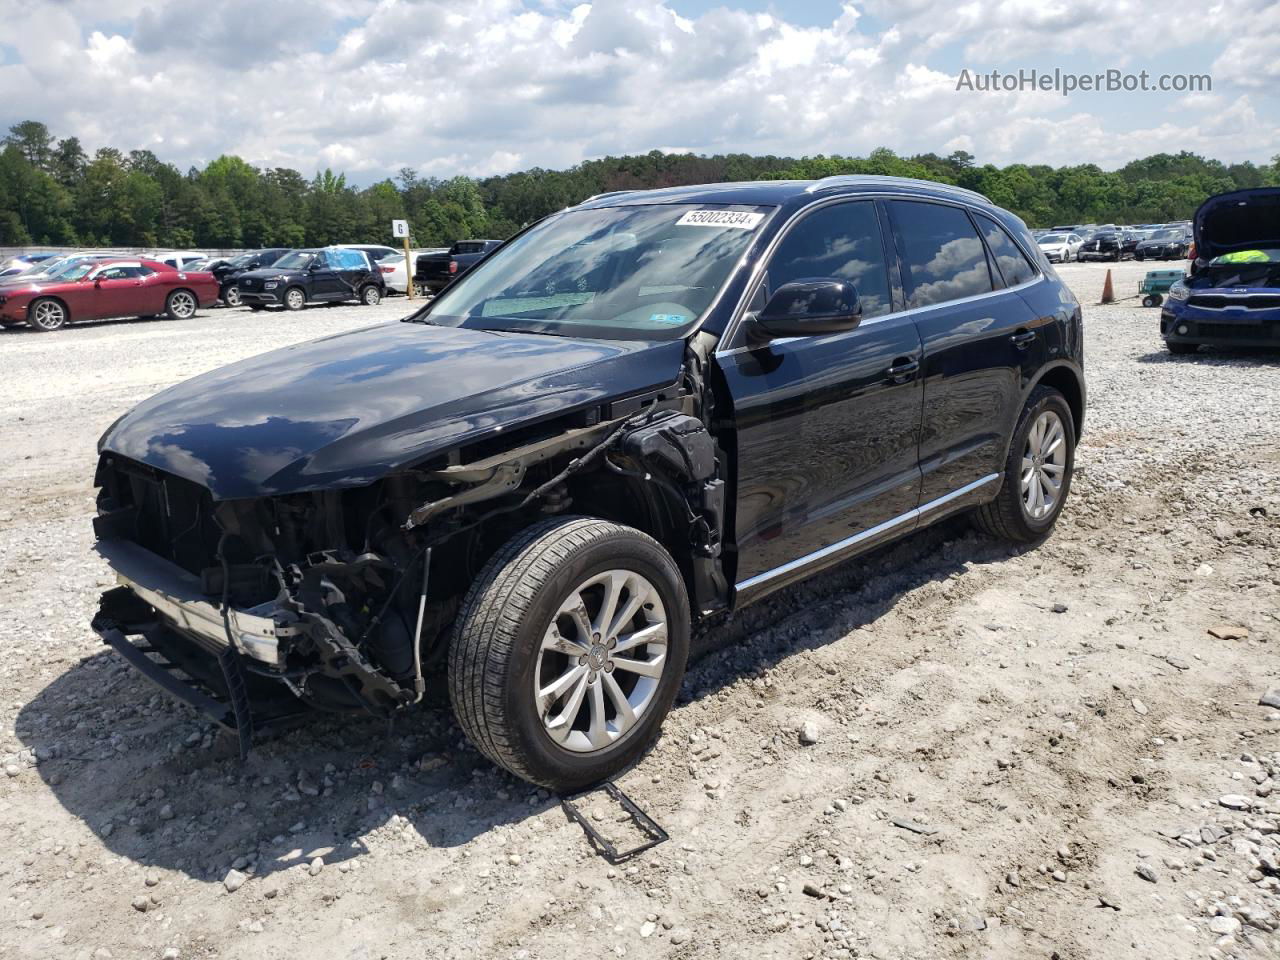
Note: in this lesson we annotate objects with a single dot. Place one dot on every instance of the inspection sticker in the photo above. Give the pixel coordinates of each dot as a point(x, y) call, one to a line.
point(737, 219)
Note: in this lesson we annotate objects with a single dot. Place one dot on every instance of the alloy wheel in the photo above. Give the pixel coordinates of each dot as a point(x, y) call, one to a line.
point(295, 299)
point(1044, 464)
point(182, 304)
point(232, 296)
point(49, 315)
point(601, 661)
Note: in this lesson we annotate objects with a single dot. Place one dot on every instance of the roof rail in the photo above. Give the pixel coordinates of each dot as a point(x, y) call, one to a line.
point(854, 179)
point(607, 193)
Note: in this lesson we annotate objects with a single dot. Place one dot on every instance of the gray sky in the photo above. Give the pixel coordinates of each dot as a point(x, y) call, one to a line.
point(492, 86)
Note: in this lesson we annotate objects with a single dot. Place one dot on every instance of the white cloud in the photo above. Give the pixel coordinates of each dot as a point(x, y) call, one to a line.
point(369, 86)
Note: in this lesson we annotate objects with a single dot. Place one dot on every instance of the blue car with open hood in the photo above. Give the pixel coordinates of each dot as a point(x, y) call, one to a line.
point(1231, 298)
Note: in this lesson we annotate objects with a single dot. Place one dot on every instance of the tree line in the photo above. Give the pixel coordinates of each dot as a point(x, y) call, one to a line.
point(53, 192)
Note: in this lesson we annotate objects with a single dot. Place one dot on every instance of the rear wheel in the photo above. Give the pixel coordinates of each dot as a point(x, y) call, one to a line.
point(370, 296)
point(295, 298)
point(180, 305)
point(569, 650)
point(1037, 473)
point(47, 315)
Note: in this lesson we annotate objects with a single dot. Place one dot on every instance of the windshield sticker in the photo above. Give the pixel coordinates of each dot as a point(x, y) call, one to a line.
point(736, 219)
point(668, 319)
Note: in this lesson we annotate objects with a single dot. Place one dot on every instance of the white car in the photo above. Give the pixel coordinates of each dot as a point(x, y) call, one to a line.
point(1061, 247)
point(178, 259)
point(387, 259)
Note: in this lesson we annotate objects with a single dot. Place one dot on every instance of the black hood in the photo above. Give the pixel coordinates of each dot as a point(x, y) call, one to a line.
point(1240, 220)
point(348, 409)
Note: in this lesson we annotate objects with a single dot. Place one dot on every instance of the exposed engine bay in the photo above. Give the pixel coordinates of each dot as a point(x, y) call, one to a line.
point(344, 598)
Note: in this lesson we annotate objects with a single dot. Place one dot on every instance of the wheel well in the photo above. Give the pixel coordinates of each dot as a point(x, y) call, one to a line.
point(1064, 380)
point(58, 300)
point(185, 290)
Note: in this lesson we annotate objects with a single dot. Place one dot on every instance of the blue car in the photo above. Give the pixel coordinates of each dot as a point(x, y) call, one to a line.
point(1231, 298)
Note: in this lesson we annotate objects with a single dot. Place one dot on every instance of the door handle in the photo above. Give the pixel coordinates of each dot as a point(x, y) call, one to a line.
point(903, 370)
point(1023, 339)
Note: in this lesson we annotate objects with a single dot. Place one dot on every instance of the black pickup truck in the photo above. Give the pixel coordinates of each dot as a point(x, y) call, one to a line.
point(435, 271)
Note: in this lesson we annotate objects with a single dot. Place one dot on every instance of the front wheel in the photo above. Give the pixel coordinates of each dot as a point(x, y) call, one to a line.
point(295, 298)
point(568, 651)
point(231, 296)
point(1037, 472)
point(371, 296)
point(47, 315)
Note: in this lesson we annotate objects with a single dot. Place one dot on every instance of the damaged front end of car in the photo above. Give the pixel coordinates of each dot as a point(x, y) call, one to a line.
point(253, 610)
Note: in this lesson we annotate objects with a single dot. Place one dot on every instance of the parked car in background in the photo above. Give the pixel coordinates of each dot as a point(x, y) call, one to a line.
point(99, 290)
point(389, 261)
point(177, 259)
point(229, 271)
point(16, 265)
point(435, 271)
point(1060, 247)
point(1172, 243)
point(1232, 296)
point(53, 268)
point(650, 411)
point(1108, 245)
point(322, 275)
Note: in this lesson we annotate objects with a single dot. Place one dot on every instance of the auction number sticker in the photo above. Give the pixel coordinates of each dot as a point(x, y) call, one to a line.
point(736, 219)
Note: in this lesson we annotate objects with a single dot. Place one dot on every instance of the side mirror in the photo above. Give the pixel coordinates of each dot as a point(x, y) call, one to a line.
point(805, 308)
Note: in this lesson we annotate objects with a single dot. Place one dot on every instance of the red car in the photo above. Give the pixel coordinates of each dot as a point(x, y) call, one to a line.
point(100, 289)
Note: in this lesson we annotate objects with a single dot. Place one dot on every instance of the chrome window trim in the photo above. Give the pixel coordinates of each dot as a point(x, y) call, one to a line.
point(758, 271)
point(896, 314)
point(870, 532)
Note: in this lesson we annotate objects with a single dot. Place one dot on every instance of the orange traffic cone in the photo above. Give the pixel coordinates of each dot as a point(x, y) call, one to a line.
point(1108, 295)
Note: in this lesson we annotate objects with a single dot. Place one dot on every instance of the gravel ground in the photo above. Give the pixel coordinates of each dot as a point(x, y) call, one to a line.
point(946, 749)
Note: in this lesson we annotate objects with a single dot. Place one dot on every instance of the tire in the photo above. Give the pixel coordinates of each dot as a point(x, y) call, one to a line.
point(295, 298)
point(47, 315)
point(1149, 300)
point(1181, 348)
point(419, 290)
point(370, 295)
point(181, 305)
point(1008, 516)
point(497, 654)
point(231, 296)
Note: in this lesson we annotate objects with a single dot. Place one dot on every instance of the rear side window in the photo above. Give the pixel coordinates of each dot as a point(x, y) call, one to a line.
point(942, 257)
point(840, 242)
point(1010, 259)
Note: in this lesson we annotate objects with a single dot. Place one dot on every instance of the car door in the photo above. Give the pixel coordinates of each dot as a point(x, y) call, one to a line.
point(323, 280)
point(978, 336)
point(826, 427)
point(117, 292)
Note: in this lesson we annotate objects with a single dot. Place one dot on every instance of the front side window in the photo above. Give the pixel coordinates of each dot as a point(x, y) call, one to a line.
point(636, 272)
point(1010, 259)
point(118, 273)
point(941, 253)
point(839, 242)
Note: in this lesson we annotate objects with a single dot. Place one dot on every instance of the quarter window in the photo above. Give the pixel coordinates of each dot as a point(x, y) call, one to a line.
point(943, 258)
point(1010, 259)
point(839, 242)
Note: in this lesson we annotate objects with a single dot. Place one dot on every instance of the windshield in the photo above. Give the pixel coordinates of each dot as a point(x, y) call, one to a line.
point(1167, 235)
point(74, 271)
point(298, 260)
point(1053, 238)
point(634, 272)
